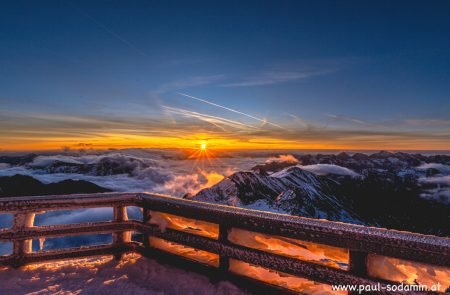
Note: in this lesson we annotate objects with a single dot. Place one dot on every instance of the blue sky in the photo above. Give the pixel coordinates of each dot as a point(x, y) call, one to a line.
point(342, 72)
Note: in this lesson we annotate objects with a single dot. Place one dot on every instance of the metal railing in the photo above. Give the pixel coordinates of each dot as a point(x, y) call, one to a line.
point(359, 241)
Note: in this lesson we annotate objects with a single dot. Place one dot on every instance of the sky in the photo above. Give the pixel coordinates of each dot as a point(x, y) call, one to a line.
point(235, 74)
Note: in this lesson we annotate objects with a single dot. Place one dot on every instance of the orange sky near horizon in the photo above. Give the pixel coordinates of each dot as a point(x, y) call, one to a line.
point(121, 141)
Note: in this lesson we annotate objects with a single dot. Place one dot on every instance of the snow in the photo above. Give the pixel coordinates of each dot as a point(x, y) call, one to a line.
point(440, 167)
point(103, 275)
point(324, 169)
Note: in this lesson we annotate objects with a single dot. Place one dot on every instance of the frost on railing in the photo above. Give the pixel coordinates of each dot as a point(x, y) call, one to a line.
point(299, 254)
point(307, 251)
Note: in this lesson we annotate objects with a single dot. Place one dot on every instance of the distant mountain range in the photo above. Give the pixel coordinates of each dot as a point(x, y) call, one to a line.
point(383, 189)
point(21, 185)
point(394, 190)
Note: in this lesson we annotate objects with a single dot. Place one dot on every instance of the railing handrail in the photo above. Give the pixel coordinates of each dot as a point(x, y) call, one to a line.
point(400, 244)
point(60, 202)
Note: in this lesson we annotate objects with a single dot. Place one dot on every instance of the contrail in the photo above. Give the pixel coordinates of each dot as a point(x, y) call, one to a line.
point(105, 28)
point(230, 109)
point(215, 120)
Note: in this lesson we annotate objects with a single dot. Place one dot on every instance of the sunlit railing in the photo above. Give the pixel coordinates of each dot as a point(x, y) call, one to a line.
point(294, 253)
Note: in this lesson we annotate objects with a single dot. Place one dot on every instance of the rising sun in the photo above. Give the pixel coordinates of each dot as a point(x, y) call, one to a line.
point(203, 145)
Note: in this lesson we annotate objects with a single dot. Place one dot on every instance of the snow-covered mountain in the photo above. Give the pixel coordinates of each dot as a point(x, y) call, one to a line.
point(397, 190)
point(292, 190)
point(393, 190)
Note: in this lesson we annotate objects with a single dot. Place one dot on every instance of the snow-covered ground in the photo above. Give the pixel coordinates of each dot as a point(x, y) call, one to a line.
point(103, 275)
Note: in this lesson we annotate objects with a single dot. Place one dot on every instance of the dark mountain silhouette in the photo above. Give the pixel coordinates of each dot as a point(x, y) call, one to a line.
point(22, 185)
point(17, 160)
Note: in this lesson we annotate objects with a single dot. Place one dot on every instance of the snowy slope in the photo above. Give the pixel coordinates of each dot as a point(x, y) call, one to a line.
point(291, 190)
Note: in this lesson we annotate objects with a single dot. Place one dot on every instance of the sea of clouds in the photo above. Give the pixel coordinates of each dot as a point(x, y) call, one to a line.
point(169, 172)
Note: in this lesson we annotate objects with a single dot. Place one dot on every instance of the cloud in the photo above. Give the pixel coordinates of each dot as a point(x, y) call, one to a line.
point(131, 170)
point(436, 187)
point(299, 122)
point(324, 169)
point(190, 183)
point(282, 159)
point(25, 131)
point(344, 118)
point(276, 77)
point(440, 167)
point(439, 195)
point(444, 180)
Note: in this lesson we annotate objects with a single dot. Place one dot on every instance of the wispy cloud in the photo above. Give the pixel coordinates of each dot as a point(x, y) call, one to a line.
point(299, 122)
point(275, 77)
point(344, 118)
point(262, 120)
point(26, 130)
point(214, 120)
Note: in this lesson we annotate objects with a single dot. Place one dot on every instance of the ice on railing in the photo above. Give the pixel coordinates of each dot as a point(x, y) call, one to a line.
point(307, 251)
point(280, 279)
point(185, 251)
point(409, 272)
point(201, 228)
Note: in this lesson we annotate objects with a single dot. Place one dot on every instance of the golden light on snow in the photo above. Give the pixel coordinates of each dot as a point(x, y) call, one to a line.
point(409, 272)
point(193, 226)
point(304, 286)
point(307, 251)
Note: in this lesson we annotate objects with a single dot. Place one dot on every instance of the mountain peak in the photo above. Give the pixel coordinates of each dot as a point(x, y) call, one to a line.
point(382, 155)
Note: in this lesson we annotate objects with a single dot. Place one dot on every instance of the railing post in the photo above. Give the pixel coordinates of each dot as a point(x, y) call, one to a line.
point(224, 262)
point(357, 265)
point(21, 222)
point(120, 214)
point(146, 216)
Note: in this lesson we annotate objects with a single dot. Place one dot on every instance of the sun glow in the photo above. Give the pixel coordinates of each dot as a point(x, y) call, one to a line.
point(203, 145)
